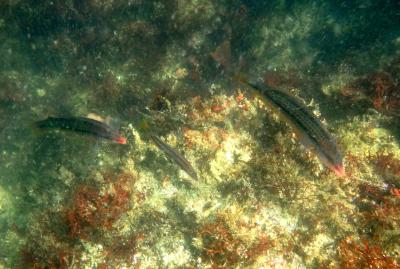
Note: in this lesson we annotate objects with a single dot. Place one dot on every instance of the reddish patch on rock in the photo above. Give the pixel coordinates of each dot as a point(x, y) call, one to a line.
point(355, 255)
point(379, 88)
point(222, 248)
point(93, 208)
point(281, 80)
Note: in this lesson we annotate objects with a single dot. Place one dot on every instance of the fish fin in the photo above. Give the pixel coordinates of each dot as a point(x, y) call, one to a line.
point(96, 117)
point(114, 123)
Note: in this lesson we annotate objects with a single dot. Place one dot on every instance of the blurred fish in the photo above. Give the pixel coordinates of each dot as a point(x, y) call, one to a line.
point(82, 125)
point(307, 127)
point(175, 156)
point(171, 153)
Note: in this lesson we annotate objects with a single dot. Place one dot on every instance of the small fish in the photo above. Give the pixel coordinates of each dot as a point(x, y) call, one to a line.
point(307, 127)
point(171, 153)
point(82, 125)
point(174, 156)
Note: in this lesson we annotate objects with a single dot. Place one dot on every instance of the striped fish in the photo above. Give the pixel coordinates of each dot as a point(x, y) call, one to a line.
point(82, 125)
point(171, 153)
point(174, 156)
point(307, 127)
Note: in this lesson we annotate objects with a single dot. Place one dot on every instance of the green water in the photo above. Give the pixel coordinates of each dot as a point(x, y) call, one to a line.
point(261, 200)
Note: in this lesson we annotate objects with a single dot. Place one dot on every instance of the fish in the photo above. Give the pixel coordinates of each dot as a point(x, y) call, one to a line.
point(171, 153)
point(174, 156)
point(83, 125)
point(307, 127)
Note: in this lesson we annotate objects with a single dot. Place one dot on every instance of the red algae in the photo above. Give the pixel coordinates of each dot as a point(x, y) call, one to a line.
point(378, 216)
point(90, 216)
point(223, 249)
point(94, 209)
point(386, 163)
point(378, 88)
point(121, 250)
point(51, 253)
point(281, 80)
point(356, 255)
point(380, 205)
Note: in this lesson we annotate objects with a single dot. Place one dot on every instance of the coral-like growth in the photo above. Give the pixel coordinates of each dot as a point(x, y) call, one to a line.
point(223, 249)
point(93, 208)
point(355, 255)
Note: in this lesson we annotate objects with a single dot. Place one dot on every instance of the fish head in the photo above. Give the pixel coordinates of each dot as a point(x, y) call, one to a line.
point(333, 160)
point(338, 169)
point(120, 140)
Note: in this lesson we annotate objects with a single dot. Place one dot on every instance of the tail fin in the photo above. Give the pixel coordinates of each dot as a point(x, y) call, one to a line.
point(35, 127)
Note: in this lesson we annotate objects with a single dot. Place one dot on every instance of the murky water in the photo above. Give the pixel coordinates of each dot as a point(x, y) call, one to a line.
point(214, 173)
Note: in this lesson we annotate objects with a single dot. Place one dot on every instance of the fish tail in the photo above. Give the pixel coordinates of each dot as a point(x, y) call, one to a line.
point(36, 127)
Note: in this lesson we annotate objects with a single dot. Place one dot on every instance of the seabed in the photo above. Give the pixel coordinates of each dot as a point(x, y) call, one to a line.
point(261, 200)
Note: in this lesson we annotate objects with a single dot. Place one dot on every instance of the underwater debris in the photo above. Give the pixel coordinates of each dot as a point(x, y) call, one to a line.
point(309, 130)
point(82, 125)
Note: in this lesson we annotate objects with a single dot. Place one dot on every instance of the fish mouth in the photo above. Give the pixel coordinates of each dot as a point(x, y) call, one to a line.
point(339, 170)
point(120, 140)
